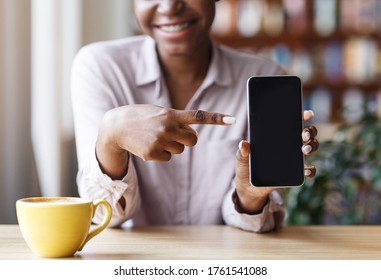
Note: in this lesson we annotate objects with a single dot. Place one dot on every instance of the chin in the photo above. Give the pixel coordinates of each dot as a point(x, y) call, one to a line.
point(177, 51)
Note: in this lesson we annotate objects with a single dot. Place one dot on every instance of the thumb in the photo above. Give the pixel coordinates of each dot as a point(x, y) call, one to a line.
point(242, 164)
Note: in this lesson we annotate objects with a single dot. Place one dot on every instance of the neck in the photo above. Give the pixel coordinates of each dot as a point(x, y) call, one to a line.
point(191, 67)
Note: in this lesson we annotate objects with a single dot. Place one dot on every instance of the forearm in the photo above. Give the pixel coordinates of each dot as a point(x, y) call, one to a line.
point(113, 160)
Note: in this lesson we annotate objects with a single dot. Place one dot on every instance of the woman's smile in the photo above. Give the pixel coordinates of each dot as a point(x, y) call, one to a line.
point(173, 28)
point(180, 28)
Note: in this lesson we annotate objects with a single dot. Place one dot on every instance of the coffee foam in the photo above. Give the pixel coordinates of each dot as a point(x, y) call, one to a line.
point(54, 200)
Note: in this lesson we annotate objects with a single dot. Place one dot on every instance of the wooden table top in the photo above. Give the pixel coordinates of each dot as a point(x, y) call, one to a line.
point(215, 243)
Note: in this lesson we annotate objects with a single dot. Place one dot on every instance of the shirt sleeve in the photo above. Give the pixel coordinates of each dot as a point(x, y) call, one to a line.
point(271, 218)
point(92, 97)
point(93, 184)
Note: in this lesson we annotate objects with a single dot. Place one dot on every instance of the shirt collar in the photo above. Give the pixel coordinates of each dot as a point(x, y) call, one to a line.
point(219, 71)
point(148, 67)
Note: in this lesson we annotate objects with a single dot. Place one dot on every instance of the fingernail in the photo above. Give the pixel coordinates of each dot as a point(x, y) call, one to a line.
point(307, 149)
point(306, 136)
point(240, 145)
point(241, 151)
point(307, 172)
point(312, 112)
point(228, 120)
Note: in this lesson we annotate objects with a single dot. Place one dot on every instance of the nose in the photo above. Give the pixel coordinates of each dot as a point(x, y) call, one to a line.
point(170, 7)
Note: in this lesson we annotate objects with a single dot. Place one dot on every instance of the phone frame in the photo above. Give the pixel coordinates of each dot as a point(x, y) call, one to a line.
point(249, 129)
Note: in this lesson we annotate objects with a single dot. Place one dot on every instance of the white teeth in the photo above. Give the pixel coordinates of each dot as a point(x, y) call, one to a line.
point(174, 28)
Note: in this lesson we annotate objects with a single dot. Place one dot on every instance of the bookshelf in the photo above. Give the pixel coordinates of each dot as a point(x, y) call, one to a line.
point(333, 45)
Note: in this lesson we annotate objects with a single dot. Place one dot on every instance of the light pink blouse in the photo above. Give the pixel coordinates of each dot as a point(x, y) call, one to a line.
point(194, 187)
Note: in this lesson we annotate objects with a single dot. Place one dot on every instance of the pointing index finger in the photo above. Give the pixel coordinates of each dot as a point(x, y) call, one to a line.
point(203, 117)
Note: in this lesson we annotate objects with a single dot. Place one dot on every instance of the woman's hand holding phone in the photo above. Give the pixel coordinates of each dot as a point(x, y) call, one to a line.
point(251, 200)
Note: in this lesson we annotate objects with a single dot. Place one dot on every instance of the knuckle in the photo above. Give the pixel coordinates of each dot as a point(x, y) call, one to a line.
point(165, 111)
point(312, 129)
point(199, 116)
point(313, 142)
point(166, 128)
point(167, 121)
point(216, 118)
point(151, 152)
point(166, 114)
point(151, 155)
point(242, 161)
point(156, 145)
point(147, 155)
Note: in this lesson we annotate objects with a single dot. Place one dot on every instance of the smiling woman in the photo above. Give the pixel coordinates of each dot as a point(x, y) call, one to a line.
point(158, 119)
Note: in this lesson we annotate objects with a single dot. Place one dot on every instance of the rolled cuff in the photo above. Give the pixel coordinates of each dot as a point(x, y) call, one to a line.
point(94, 184)
point(271, 218)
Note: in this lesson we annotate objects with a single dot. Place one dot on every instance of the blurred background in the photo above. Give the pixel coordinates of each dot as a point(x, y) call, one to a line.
point(333, 45)
point(38, 40)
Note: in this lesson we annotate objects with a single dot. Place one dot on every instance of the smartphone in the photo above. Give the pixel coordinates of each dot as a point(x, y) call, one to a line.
point(275, 108)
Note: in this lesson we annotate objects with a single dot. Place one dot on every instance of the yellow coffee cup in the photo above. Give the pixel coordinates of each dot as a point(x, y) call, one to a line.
point(58, 227)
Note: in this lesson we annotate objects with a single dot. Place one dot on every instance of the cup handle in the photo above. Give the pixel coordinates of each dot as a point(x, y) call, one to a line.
point(101, 226)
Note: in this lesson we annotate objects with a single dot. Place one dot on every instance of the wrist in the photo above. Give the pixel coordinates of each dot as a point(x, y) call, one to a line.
point(250, 204)
point(112, 159)
point(114, 164)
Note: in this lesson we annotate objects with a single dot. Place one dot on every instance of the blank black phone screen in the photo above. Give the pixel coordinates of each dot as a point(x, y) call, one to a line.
point(275, 127)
